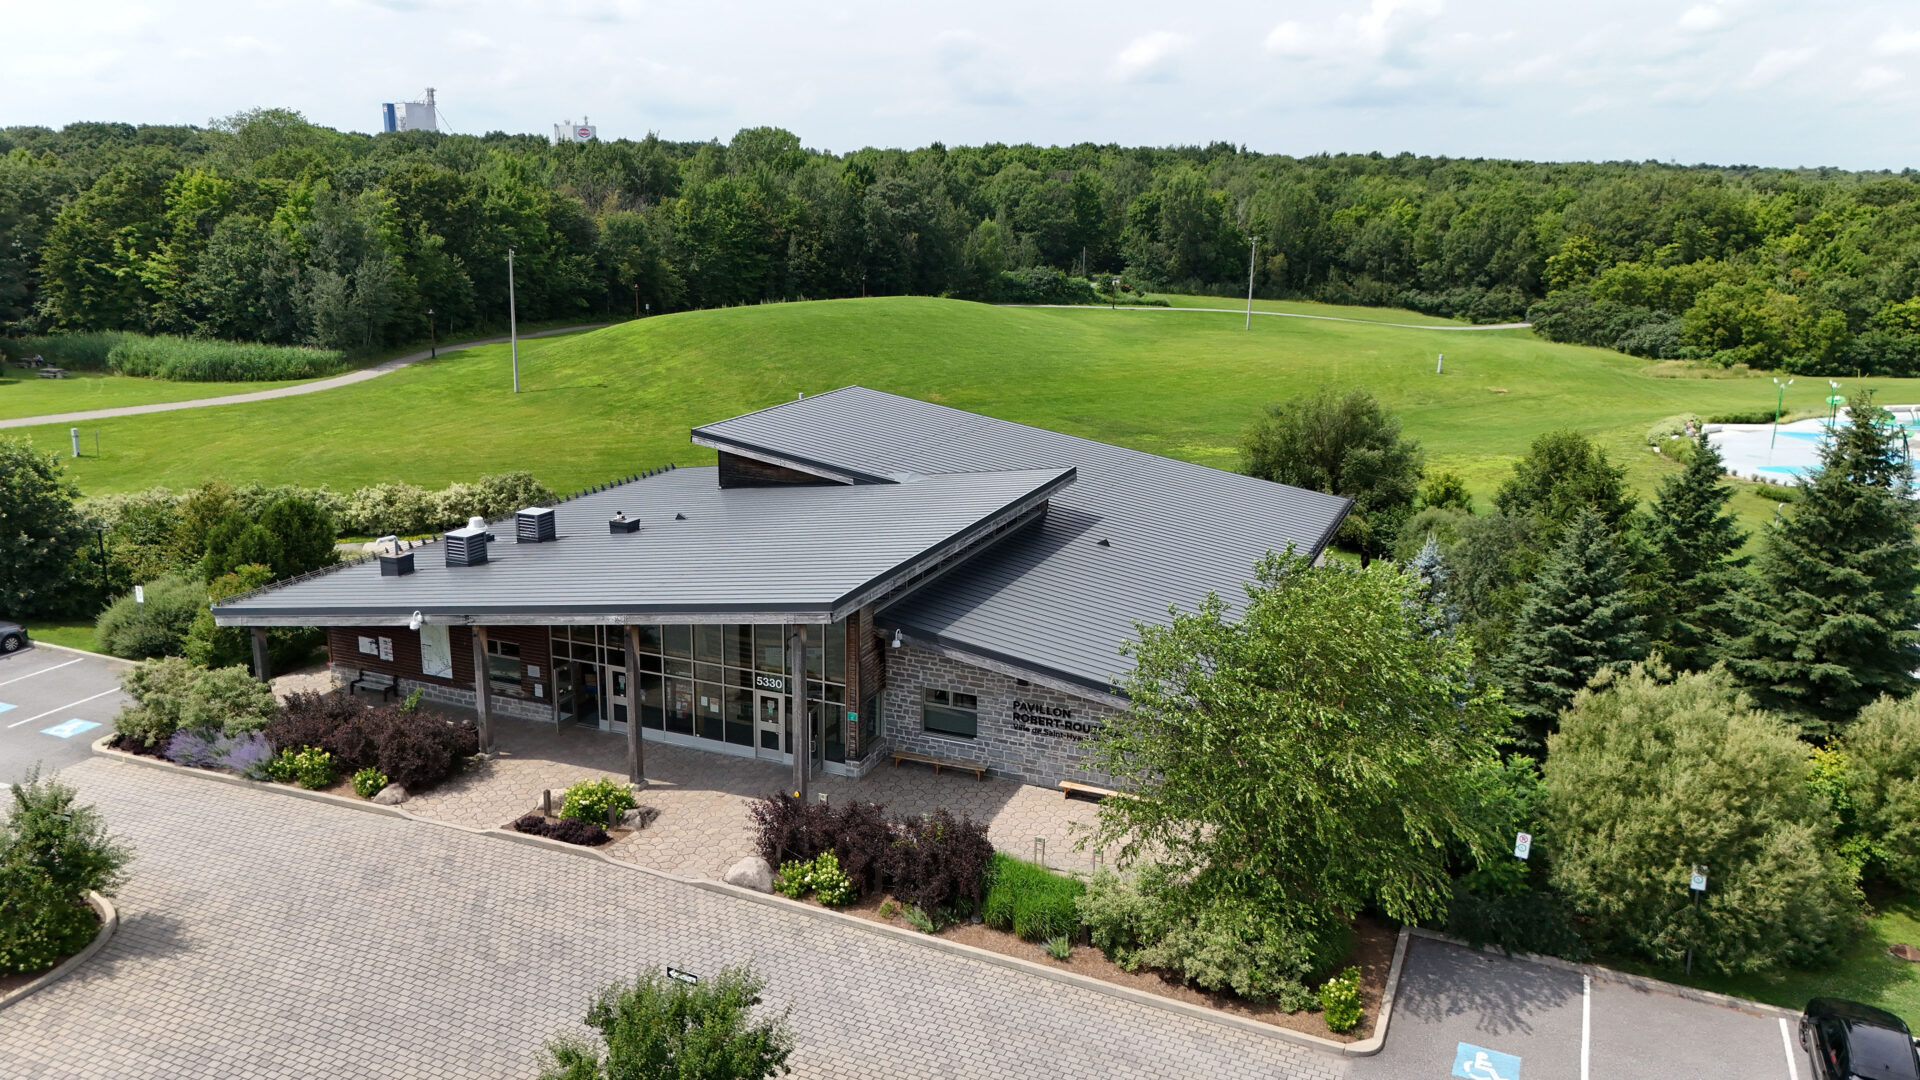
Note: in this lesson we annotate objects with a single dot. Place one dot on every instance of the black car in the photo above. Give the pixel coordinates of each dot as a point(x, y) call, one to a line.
point(1851, 1041)
point(13, 637)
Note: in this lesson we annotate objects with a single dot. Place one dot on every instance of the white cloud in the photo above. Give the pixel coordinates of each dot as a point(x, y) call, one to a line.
point(1701, 18)
point(472, 39)
point(1350, 36)
point(1876, 77)
point(247, 43)
point(1897, 42)
point(1773, 64)
point(1147, 57)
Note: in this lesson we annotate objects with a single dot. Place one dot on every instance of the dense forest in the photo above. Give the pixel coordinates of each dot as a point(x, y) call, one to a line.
point(263, 227)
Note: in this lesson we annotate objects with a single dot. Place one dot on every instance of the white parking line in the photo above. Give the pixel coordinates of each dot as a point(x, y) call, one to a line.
point(64, 708)
point(43, 671)
point(1586, 1023)
point(1786, 1043)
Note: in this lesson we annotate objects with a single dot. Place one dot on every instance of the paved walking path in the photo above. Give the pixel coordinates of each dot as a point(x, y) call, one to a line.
point(351, 377)
point(1303, 315)
point(268, 936)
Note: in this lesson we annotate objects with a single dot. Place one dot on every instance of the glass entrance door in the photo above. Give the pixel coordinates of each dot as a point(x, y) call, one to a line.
point(769, 725)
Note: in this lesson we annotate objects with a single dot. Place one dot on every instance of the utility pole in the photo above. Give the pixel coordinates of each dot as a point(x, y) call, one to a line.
point(433, 339)
point(513, 325)
point(636, 301)
point(1253, 246)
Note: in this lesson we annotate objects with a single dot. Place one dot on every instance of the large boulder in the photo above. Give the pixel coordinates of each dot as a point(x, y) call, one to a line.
point(751, 872)
point(391, 795)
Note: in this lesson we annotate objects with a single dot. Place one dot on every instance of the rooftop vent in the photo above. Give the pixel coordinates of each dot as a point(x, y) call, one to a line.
point(397, 565)
point(534, 525)
point(679, 517)
point(621, 523)
point(468, 546)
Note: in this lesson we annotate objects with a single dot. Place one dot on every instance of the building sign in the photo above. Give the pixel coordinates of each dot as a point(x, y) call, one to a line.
point(1522, 845)
point(1053, 721)
point(770, 682)
point(682, 976)
point(386, 648)
point(436, 652)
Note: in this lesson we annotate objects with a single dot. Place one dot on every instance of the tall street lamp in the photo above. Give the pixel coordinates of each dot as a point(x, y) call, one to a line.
point(1253, 247)
point(513, 326)
point(1779, 398)
point(433, 340)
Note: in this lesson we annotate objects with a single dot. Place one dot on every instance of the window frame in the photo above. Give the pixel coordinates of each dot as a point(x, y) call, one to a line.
point(947, 704)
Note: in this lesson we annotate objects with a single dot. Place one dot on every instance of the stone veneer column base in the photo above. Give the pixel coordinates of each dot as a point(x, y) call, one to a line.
point(518, 708)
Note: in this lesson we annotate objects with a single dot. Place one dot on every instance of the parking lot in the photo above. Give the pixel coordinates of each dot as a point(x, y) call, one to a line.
point(1483, 1016)
point(53, 704)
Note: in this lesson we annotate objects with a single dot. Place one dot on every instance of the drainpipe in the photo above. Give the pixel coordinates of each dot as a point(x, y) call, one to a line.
point(802, 726)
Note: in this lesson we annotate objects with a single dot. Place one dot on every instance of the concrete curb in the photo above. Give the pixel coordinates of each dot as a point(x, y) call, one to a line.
point(1638, 982)
point(38, 644)
point(109, 922)
point(1363, 1048)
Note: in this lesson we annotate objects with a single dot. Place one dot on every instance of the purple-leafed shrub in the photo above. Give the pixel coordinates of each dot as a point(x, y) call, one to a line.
point(861, 840)
point(568, 830)
point(416, 750)
point(788, 830)
point(939, 862)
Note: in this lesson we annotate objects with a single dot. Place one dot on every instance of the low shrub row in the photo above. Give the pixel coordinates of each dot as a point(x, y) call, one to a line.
point(75, 352)
point(175, 695)
point(179, 359)
point(568, 830)
point(52, 851)
point(413, 749)
point(935, 862)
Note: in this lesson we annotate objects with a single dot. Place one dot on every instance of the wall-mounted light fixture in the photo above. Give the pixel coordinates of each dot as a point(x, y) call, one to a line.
point(416, 622)
point(897, 642)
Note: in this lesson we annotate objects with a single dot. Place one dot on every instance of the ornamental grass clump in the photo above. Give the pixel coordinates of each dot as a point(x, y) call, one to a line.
point(1030, 900)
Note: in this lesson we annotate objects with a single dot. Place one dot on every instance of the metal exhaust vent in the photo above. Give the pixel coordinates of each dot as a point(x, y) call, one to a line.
point(466, 547)
point(621, 523)
point(534, 525)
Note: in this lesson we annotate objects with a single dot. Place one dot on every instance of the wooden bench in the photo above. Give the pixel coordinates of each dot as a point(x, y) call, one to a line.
point(375, 680)
point(1070, 788)
point(979, 771)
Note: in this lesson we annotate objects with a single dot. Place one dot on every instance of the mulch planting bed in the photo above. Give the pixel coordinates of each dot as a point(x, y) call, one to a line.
point(614, 835)
point(1372, 953)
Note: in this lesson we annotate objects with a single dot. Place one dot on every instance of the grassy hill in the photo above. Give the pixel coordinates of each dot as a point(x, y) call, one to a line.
point(1185, 384)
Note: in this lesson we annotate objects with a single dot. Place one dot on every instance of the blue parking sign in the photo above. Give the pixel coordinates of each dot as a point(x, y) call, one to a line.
point(1479, 1063)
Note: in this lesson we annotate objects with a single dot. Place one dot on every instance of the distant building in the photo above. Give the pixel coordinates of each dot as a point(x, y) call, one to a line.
point(410, 115)
point(572, 132)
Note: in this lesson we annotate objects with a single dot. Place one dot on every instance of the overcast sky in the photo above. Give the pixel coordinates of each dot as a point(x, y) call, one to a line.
point(1818, 82)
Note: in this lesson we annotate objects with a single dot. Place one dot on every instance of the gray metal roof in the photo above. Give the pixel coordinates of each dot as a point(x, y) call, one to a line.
point(1050, 598)
point(768, 554)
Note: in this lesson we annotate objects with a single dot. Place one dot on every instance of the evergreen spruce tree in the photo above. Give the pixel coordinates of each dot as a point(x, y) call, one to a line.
point(1827, 625)
point(1580, 616)
point(1430, 568)
point(1695, 538)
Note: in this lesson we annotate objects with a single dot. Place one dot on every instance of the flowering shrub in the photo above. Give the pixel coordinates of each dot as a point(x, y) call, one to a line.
point(310, 767)
point(368, 782)
point(1340, 1000)
point(594, 801)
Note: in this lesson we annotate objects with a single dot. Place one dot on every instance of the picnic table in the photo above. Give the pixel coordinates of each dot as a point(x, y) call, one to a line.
point(51, 372)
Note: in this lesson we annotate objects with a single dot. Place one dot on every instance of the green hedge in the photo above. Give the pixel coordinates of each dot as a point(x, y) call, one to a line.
point(197, 360)
point(75, 352)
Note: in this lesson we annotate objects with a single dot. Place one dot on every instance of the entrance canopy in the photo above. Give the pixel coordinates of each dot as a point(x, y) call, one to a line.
point(703, 553)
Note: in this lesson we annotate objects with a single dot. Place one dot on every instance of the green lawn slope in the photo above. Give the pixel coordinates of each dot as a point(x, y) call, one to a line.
point(1185, 384)
point(24, 393)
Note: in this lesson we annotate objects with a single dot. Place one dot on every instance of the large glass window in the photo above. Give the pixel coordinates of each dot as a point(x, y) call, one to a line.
point(503, 666)
point(952, 713)
point(712, 671)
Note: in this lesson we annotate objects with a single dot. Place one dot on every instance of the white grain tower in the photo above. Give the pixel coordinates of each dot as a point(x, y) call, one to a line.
point(420, 115)
point(572, 132)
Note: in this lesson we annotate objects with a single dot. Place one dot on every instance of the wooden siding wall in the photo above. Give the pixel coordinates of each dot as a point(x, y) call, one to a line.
point(737, 471)
point(866, 671)
point(343, 647)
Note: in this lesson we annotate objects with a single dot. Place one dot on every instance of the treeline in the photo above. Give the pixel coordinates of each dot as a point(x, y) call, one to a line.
point(264, 227)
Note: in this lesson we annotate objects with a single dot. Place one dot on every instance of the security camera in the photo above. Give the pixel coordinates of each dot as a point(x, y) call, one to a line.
point(414, 623)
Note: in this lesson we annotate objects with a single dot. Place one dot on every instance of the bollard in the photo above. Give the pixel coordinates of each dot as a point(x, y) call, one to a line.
point(546, 803)
point(1040, 851)
point(613, 816)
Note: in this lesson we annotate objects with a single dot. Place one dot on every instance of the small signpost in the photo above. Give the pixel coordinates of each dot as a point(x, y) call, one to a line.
point(1522, 844)
point(687, 977)
point(139, 594)
point(1698, 882)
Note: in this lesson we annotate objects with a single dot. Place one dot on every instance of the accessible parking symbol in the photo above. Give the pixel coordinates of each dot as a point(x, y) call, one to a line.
point(1478, 1063)
point(71, 728)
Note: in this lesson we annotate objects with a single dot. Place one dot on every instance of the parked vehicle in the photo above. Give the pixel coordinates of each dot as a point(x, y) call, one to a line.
point(1851, 1041)
point(13, 637)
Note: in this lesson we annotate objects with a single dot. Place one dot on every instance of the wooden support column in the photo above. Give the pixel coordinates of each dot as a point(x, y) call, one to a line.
point(636, 753)
point(262, 667)
point(802, 726)
point(482, 719)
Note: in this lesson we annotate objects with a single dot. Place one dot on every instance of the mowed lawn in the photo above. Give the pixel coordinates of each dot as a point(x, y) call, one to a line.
point(600, 405)
point(24, 393)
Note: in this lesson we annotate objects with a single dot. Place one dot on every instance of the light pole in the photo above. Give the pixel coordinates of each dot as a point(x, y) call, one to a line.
point(636, 301)
point(1253, 246)
point(1779, 398)
point(433, 340)
point(1113, 301)
point(1833, 404)
point(513, 325)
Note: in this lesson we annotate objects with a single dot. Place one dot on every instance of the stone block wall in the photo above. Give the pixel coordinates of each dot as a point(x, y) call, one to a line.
point(518, 708)
point(1030, 733)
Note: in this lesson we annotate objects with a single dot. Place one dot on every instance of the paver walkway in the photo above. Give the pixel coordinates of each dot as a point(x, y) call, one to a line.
point(264, 935)
point(314, 387)
point(702, 797)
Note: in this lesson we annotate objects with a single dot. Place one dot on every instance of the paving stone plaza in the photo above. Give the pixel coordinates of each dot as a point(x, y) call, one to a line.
point(702, 797)
point(265, 935)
